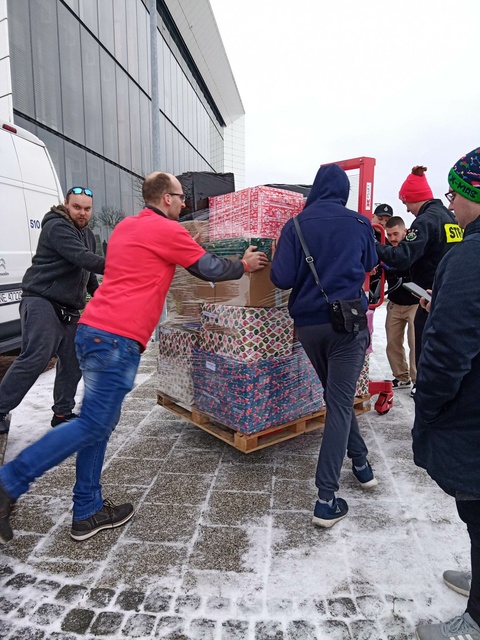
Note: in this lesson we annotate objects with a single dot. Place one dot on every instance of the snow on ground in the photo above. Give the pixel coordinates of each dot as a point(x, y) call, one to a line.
point(389, 553)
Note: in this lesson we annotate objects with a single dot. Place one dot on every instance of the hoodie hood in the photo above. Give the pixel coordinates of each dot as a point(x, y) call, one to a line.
point(331, 183)
point(58, 210)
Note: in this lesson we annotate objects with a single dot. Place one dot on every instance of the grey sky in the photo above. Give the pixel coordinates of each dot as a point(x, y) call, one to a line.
point(326, 80)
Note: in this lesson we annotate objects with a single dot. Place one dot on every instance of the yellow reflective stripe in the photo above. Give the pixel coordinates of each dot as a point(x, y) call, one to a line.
point(453, 233)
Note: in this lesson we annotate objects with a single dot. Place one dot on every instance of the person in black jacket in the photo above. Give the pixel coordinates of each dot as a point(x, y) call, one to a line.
point(382, 214)
point(432, 234)
point(54, 291)
point(446, 432)
point(401, 310)
point(342, 244)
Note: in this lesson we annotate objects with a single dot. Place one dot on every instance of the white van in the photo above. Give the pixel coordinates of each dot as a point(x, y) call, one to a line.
point(29, 186)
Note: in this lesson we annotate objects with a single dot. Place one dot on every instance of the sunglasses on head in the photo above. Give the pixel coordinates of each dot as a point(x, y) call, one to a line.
point(78, 190)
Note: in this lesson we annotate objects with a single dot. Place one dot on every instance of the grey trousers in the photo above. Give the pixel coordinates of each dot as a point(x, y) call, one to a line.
point(43, 336)
point(338, 359)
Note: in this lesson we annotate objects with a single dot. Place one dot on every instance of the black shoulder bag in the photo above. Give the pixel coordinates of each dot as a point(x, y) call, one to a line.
point(347, 316)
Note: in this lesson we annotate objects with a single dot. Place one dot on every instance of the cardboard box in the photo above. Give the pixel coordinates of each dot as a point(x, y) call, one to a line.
point(197, 227)
point(251, 290)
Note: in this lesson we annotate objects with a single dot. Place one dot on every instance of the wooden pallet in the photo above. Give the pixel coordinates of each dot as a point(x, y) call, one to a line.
point(255, 441)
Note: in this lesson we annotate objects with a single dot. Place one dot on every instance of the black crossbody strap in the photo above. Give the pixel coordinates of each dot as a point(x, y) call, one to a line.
point(308, 258)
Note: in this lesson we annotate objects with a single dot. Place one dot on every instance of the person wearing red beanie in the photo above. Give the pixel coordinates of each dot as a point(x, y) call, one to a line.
point(432, 234)
point(415, 189)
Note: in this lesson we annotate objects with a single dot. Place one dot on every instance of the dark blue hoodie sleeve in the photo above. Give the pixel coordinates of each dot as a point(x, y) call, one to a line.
point(284, 264)
point(370, 259)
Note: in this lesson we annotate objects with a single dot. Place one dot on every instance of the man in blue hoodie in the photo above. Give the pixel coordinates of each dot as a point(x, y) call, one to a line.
point(342, 244)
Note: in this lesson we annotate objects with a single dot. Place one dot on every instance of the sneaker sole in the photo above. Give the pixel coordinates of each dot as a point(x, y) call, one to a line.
point(326, 524)
point(463, 592)
point(90, 534)
point(370, 484)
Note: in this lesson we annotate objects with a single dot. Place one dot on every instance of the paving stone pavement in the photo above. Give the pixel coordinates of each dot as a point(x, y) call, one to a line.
point(222, 546)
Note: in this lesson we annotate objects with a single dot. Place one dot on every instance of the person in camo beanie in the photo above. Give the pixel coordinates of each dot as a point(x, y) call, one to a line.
point(464, 176)
point(446, 432)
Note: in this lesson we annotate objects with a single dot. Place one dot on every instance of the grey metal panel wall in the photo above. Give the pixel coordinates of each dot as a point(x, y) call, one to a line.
point(83, 87)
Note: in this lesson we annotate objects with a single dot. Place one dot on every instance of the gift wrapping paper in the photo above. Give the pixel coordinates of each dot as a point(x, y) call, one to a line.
point(248, 396)
point(364, 378)
point(246, 333)
point(309, 376)
point(253, 212)
point(175, 343)
point(175, 378)
point(176, 381)
point(236, 247)
point(370, 313)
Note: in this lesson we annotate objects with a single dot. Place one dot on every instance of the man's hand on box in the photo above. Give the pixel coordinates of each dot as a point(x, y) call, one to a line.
point(254, 260)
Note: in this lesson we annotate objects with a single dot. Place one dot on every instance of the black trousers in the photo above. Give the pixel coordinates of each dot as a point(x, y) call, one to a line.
point(469, 512)
point(419, 325)
point(338, 359)
point(43, 336)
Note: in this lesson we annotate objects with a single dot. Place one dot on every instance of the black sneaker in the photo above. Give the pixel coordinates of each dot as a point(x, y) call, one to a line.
point(5, 420)
point(412, 392)
point(6, 503)
point(401, 384)
point(366, 477)
point(56, 420)
point(326, 516)
point(108, 517)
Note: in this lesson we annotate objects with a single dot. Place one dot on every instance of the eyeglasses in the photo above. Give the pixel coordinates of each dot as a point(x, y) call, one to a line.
point(451, 195)
point(78, 190)
point(180, 195)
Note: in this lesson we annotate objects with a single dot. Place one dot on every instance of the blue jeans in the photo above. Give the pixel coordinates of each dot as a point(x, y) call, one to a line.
point(338, 359)
point(109, 364)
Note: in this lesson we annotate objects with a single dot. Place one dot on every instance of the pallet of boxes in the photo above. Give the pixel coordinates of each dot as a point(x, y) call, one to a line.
point(228, 360)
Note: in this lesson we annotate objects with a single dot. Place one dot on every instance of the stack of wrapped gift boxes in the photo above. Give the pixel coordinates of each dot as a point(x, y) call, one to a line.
point(228, 348)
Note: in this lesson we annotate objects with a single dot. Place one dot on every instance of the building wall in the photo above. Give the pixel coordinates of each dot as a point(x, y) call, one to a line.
point(81, 81)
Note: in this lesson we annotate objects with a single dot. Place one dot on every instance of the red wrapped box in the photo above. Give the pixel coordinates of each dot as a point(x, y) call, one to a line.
point(254, 212)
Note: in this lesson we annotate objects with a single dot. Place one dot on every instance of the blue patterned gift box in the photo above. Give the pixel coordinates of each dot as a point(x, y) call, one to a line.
point(250, 397)
point(309, 394)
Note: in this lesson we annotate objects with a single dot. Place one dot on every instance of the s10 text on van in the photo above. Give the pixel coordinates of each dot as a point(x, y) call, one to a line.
point(29, 186)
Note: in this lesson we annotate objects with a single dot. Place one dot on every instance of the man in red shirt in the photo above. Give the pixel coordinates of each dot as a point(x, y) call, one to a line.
point(143, 252)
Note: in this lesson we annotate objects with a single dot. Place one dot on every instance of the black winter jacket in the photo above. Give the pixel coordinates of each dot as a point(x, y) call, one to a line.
point(432, 234)
point(64, 266)
point(446, 433)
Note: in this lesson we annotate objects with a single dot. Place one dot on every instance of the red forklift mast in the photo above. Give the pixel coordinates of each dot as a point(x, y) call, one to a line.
point(361, 172)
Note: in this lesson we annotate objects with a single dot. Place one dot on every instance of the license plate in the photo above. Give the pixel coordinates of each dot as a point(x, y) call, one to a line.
point(9, 297)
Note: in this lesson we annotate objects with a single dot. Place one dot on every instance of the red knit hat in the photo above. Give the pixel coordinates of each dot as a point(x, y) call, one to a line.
point(415, 188)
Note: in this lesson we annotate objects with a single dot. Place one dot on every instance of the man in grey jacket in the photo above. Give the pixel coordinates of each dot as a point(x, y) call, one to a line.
point(54, 291)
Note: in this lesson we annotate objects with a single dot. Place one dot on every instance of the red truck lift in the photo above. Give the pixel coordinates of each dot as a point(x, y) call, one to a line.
point(361, 174)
